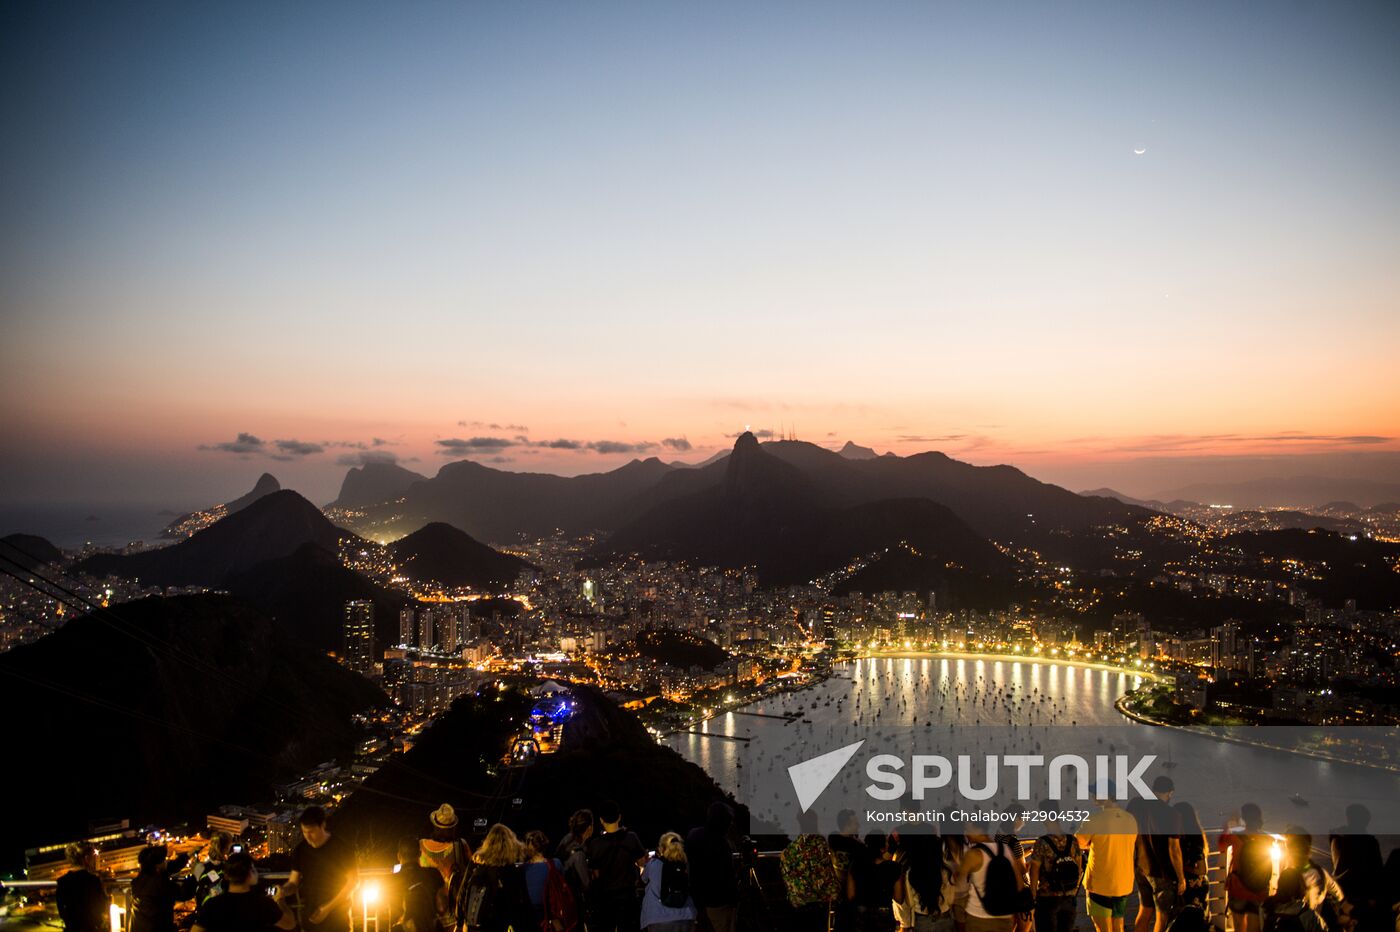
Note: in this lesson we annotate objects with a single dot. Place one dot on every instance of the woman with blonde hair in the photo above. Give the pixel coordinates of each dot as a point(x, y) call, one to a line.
point(492, 896)
point(667, 905)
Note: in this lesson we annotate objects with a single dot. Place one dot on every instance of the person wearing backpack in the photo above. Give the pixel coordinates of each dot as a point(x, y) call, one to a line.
point(552, 900)
point(1308, 898)
point(1250, 854)
point(1056, 872)
point(996, 885)
point(667, 905)
point(572, 853)
point(615, 859)
point(419, 895)
point(492, 896)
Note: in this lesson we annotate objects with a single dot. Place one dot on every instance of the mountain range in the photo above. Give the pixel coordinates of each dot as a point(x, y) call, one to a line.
point(997, 502)
point(281, 554)
point(777, 517)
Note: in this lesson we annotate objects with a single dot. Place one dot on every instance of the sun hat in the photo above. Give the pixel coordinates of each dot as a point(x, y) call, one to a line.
point(444, 816)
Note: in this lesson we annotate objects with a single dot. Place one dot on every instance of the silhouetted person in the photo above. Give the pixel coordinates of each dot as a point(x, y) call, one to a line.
point(83, 903)
point(1359, 869)
point(419, 895)
point(713, 879)
point(241, 908)
point(155, 889)
point(615, 859)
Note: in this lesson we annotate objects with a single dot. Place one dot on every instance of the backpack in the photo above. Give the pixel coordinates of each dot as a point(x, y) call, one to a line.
point(560, 906)
point(614, 871)
point(1001, 893)
point(576, 870)
point(1190, 919)
point(479, 898)
point(675, 884)
point(1065, 871)
point(1254, 866)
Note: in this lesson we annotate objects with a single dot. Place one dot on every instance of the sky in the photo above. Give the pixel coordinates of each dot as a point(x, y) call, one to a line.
point(238, 237)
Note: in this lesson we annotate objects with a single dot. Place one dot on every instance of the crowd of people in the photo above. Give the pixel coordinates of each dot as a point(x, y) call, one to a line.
point(600, 877)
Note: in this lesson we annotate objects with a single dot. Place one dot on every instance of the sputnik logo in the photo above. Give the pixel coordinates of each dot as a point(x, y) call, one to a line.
point(811, 777)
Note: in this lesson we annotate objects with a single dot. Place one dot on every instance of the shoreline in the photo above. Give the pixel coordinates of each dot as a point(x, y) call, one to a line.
point(1014, 658)
point(947, 654)
point(1121, 704)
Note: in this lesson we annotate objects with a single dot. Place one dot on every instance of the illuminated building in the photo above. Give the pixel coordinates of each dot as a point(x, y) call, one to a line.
point(359, 636)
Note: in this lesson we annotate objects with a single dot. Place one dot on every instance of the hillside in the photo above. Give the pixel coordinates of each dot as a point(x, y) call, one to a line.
point(30, 551)
point(373, 483)
point(306, 592)
point(274, 526)
point(606, 754)
point(161, 708)
point(438, 552)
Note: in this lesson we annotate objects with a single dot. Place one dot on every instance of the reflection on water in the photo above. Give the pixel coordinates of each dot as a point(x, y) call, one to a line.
point(990, 705)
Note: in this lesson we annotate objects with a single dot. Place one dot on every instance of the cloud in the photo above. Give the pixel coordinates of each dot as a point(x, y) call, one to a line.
point(762, 434)
point(378, 441)
point(246, 443)
point(474, 445)
point(366, 457)
point(676, 443)
point(560, 444)
point(1168, 443)
point(483, 425)
point(617, 446)
point(299, 448)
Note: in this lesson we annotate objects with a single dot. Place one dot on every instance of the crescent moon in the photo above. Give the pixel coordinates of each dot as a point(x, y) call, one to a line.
point(1142, 151)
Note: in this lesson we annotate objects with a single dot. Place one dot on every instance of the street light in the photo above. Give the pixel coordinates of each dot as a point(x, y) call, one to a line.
point(369, 896)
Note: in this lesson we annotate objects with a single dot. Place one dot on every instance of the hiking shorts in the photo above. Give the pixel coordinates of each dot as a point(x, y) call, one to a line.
point(1108, 907)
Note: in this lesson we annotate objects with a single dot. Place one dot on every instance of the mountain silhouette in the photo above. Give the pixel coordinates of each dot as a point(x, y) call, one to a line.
point(767, 513)
point(159, 709)
point(273, 526)
point(373, 483)
point(498, 506)
point(266, 485)
point(30, 551)
point(439, 552)
point(852, 451)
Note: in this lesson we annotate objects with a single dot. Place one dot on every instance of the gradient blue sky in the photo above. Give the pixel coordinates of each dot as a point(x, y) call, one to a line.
point(914, 225)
